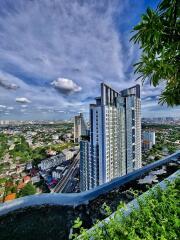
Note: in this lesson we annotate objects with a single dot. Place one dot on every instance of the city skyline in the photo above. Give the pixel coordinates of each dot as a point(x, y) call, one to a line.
point(55, 54)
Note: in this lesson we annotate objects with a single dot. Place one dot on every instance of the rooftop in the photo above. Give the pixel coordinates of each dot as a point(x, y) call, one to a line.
point(10, 197)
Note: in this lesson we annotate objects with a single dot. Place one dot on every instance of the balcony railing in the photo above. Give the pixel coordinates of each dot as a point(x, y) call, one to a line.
point(75, 199)
point(59, 210)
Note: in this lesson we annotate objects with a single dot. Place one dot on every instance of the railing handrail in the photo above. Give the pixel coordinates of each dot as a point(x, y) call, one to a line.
point(75, 199)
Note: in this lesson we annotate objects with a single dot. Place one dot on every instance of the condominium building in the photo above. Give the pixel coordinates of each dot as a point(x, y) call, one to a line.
point(79, 127)
point(114, 145)
point(84, 166)
point(148, 140)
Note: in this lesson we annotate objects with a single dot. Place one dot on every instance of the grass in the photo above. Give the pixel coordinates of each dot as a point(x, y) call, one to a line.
point(158, 217)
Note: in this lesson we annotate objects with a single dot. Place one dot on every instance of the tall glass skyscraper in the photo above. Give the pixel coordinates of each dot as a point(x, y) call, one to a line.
point(114, 145)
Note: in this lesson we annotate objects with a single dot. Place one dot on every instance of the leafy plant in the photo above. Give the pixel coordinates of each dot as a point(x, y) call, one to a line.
point(158, 34)
point(107, 209)
point(156, 218)
point(29, 189)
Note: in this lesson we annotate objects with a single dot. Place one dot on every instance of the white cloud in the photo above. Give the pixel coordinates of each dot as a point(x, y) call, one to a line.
point(70, 39)
point(77, 40)
point(2, 106)
point(22, 100)
point(148, 99)
point(66, 86)
point(10, 108)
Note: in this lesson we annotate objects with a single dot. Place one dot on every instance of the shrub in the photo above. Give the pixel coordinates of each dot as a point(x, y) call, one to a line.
point(29, 189)
point(156, 218)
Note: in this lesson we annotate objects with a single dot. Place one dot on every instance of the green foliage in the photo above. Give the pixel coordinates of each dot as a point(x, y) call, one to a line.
point(107, 209)
point(3, 144)
point(158, 35)
point(157, 218)
point(171, 149)
point(26, 153)
point(2, 180)
point(14, 189)
point(157, 158)
point(77, 223)
point(4, 166)
point(29, 189)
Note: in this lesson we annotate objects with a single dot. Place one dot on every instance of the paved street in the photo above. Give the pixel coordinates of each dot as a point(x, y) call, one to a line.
point(63, 182)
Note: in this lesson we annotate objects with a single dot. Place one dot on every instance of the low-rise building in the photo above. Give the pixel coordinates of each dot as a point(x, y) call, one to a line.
point(19, 169)
point(12, 166)
point(29, 166)
point(52, 161)
point(35, 179)
point(55, 137)
point(69, 153)
point(15, 177)
point(50, 152)
point(12, 172)
point(23, 174)
point(56, 174)
point(26, 179)
point(62, 168)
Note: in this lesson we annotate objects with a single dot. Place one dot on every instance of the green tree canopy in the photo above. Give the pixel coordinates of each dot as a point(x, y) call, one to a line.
point(158, 34)
point(29, 189)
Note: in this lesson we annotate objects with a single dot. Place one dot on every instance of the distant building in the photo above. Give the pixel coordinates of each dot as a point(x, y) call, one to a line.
point(50, 152)
point(79, 127)
point(57, 174)
point(29, 166)
point(69, 153)
point(55, 137)
point(26, 179)
point(35, 179)
point(84, 164)
point(52, 161)
point(114, 145)
point(148, 140)
point(19, 169)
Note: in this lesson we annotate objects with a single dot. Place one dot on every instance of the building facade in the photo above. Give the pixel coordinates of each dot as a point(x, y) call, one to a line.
point(52, 161)
point(148, 140)
point(79, 127)
point(114, 145)
point(84, 164)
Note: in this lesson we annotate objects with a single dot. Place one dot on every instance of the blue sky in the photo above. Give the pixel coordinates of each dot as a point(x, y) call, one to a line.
point(55, 53)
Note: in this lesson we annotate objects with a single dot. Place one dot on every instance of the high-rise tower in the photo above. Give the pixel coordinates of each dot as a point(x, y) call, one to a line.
point(114, 148)
point(79, 127)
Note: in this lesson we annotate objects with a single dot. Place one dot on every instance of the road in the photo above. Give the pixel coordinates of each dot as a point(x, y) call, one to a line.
point(73, 184)
point(62, 183)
